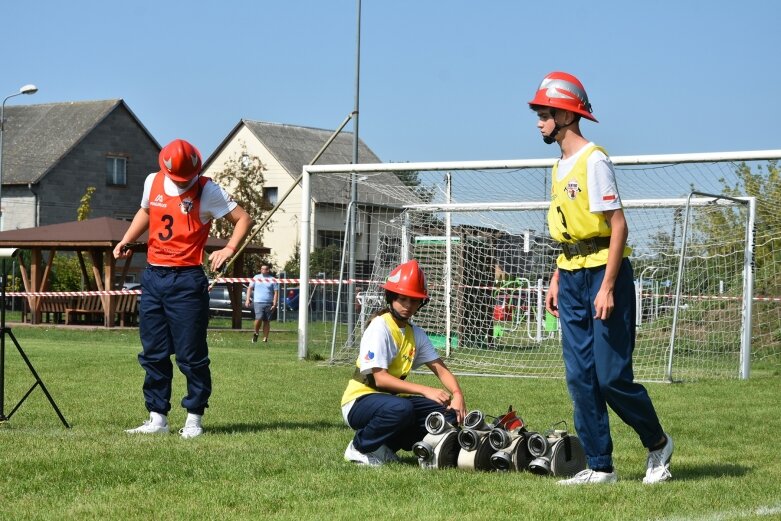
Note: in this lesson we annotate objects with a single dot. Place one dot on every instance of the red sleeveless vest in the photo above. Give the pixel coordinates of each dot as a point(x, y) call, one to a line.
point(176, 234)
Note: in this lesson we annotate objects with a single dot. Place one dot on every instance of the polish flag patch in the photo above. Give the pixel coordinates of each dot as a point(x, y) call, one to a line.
point(610, 197)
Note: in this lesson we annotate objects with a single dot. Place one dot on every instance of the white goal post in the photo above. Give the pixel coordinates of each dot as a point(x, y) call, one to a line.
point(478, 228)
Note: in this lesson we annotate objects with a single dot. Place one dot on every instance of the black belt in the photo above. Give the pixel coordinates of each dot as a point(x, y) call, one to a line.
point(584, 247)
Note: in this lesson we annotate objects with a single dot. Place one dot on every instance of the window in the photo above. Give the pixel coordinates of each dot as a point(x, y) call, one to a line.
point(116, 171)
point(270, 196)
point(245, 161)
point(330, 238)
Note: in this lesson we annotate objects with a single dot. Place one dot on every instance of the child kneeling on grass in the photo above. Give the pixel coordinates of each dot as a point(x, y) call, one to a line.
point(386, 411)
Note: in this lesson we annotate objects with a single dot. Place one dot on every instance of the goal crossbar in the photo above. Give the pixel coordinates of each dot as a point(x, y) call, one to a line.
point(543, 205)
point(654, 159)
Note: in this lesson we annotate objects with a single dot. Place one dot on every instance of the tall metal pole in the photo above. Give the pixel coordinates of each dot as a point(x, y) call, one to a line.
point(258, 227)
point(354, 188)
point(2, 128)
point(27, 89)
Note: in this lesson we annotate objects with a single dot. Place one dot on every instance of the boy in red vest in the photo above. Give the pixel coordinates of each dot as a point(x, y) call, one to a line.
point(177, 208)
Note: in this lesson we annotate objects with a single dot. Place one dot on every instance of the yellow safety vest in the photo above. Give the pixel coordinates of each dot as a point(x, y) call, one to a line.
point(570, 219)
point(400, 366)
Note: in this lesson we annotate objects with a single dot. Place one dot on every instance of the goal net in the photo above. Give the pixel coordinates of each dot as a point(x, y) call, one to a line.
point(479, 232)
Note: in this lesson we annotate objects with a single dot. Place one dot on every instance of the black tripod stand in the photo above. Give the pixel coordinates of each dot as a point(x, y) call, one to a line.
point(7, 331)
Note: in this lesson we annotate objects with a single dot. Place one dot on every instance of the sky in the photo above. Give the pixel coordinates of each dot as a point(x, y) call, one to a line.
point(440, 80)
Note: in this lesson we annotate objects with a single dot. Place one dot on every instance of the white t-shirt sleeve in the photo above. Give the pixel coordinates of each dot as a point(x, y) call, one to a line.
point(602, 186)
point(424, 350)
point(215, 202)
point(147, 190)
point(377, 347)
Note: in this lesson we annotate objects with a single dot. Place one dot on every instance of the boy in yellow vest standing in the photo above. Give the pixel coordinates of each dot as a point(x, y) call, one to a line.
point(592, 289)
point(388, 412)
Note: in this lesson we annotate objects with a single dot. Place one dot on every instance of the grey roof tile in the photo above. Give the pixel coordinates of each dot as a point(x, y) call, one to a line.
point(295, 146)
point(36, 137)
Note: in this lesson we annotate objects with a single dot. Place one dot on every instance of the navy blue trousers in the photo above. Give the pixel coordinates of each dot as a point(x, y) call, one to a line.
point(598, 362)
point(395, 421)
point(173, 319)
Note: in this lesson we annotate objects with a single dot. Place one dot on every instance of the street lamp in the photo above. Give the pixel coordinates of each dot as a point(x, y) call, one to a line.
point(27, 89)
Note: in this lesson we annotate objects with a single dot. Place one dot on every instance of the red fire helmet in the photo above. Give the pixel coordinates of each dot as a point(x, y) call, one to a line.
point(563, 91)
point(407, 279)
point(180, 160)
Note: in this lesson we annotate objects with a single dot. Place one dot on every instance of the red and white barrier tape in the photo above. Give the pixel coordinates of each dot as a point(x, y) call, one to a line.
point(338, 281)
point(271, 280)
point(712, 297)
point(72, 293)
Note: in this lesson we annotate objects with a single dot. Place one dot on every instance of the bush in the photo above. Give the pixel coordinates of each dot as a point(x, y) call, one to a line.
point(66, 273)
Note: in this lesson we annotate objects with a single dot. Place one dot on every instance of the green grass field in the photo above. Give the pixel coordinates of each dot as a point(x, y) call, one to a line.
point(275, 438)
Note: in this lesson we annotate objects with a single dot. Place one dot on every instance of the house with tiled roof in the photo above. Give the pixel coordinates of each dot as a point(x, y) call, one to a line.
point(284, 149)
point(52, 152)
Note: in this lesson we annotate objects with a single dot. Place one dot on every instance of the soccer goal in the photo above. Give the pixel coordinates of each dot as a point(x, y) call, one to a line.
point(479, 231)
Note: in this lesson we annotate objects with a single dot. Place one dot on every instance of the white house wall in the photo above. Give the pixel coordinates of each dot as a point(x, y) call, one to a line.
point(281, 233)
point(18, 210)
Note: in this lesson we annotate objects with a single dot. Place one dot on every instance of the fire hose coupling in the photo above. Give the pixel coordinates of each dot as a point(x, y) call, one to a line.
point(439, 448)
point(476, 451)
point(506, 429)
point(500, 438)
point(508, 439)
point(504, 445)
point(475, 428)
point(512, 457)
point(556, 453)
point(437, 424)
point(538, 444)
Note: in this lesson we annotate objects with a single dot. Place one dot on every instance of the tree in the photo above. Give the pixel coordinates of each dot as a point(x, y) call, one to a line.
point(412, 180)
point(242, 176)
point(66, 273)
point(85, 209)
point(293, 265)
point(66, 270)
point(321, 260)
point(765, 185)
point(325, 260)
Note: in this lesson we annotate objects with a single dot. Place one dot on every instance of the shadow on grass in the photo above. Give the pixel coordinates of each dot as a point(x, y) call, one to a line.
point(700, 472)
point(233, 428)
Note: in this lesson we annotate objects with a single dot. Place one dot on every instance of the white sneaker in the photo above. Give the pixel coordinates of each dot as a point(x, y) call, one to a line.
point(373, 459)
point(658, 467)
point(156, 424)
point(192, 426)
point(588, 476)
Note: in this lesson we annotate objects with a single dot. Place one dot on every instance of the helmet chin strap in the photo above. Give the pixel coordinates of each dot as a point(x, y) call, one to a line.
point(395, 314)
point(549, 140)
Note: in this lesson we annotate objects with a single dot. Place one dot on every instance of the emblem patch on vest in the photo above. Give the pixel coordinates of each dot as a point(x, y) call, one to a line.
point(572, 189)
point(186, 205)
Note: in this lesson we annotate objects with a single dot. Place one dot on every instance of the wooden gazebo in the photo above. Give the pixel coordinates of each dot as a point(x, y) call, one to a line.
point(96, 238)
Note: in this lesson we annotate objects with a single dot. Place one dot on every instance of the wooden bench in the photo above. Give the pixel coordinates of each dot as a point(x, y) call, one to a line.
point(89, 306)
point(56, 306)
point(127, 309)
